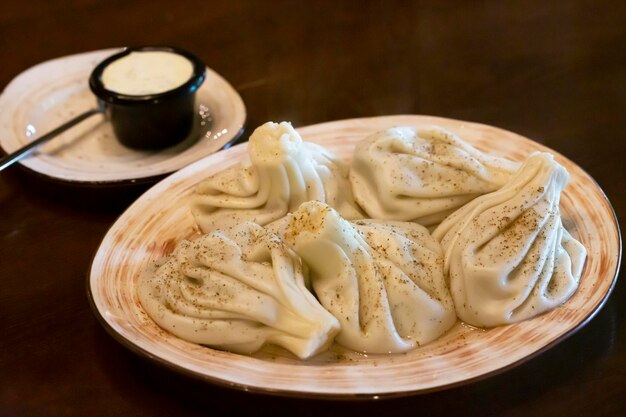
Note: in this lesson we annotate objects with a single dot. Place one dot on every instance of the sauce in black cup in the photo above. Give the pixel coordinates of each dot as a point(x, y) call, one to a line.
point(154, 107)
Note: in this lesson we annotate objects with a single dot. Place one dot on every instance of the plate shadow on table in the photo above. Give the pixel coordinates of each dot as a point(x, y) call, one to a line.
point(92, 197)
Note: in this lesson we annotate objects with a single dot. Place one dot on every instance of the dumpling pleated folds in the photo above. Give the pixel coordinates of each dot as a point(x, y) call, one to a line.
point(422, 174)
point(283, 172)
point(237, 291)
point(382, 281)
point(507, 254)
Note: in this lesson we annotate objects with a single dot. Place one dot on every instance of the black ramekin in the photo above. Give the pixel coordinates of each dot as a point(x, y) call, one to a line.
point(152, 121)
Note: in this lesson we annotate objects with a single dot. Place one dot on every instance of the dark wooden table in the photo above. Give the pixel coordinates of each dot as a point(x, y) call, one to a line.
point(552, 71)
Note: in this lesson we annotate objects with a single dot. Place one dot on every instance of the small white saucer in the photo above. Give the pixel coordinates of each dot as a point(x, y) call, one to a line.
point(49, 94)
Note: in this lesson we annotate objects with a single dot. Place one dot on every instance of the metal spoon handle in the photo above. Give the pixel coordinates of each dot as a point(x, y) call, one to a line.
point(22, 152)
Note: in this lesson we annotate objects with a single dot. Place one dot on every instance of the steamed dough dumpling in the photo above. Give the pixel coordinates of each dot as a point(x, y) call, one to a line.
point(507, 254)
point(237, 290)
point(422, 174)
point(282, 173)
point(382, 281)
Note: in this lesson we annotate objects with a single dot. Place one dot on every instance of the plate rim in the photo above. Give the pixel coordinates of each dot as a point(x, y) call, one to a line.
point(295, 393)
point(240, 126)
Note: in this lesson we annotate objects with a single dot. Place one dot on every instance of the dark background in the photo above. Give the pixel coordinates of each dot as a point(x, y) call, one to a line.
point(551, 71)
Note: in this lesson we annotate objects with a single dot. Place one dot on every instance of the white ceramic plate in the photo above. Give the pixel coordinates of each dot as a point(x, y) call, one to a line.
point(51, 93)
point(150, 228)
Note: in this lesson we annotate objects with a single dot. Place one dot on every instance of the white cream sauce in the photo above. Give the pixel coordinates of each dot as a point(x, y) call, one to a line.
point(147, 72)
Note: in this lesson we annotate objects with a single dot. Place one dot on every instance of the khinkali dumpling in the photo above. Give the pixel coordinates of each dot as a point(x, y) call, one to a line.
point(507, 253)
point(383, 281)
point(422, 174)
point(237, 290)
point(283, 172)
